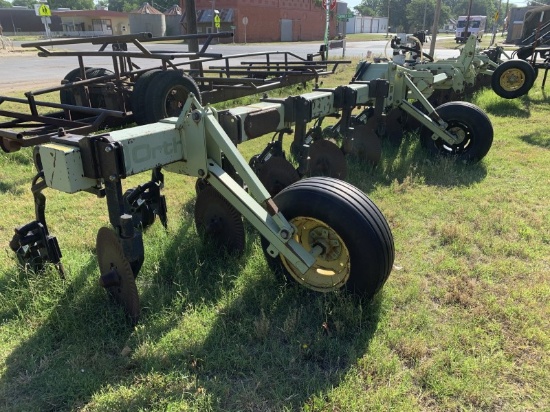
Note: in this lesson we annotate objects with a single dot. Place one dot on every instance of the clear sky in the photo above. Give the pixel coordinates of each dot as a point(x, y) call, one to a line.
point(352, 3)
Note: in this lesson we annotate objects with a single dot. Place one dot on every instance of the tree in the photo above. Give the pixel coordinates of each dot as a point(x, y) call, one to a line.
point(369, 7)
point(124, 5)
point(421, 13)
point(24, 3)
point(397, 17)
point(479, 7)
point(4, 4)
point(72, 4)
point(130, 5)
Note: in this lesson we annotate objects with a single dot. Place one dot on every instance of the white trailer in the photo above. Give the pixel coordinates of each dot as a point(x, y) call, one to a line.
point(476, 25)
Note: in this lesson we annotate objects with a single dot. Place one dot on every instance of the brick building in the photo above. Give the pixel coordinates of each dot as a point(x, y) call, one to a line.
point(266, 20)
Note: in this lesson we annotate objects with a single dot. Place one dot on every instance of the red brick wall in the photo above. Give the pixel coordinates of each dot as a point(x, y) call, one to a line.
point(264, 18)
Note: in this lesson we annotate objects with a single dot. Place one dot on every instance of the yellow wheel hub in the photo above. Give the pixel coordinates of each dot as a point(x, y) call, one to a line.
point(332, 265)
point(512, 79)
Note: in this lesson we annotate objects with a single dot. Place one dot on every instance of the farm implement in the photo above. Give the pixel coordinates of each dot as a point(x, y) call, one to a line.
point(472, 70)
point(320, 232)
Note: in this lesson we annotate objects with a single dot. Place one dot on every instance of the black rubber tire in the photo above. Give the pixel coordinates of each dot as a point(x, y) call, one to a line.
point(500, 79)
point(96, 99)
point(157, 98)
point(66, 95)
point(354, 218)
point(462, 117)
point(96, 96)
point(138, 102)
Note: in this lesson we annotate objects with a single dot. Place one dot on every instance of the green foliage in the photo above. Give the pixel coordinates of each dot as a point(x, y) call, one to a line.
point(408, 15)
point(5, 4)
point(24, 3)
point(420, 14)
point(130, 5)
point(369, 8)
point(123, 5)
point(482, 8)
point(72, 4)
point(55, 4)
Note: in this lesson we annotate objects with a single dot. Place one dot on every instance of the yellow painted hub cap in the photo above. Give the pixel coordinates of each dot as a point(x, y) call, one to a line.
point(332, 266)
point(512, 79)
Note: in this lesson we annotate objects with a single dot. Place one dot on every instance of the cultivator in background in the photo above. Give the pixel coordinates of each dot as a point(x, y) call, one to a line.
point(518, 70)
point(321, 232)
point(391, 99)
point(473, 70)
point(92, 97)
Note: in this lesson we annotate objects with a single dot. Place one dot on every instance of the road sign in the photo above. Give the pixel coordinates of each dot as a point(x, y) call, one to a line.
point(217, 21)
point(330, 4)
point(44, 10)
point(345, 16)
point(245, 20)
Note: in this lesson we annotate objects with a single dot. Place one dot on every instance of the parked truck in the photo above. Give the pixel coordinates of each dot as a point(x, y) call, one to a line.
point(467, 25)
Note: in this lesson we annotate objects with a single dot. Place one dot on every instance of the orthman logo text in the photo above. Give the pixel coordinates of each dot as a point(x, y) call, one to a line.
point(163, 152)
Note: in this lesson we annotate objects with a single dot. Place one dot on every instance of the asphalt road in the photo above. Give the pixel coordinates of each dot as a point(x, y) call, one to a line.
point(27, 71)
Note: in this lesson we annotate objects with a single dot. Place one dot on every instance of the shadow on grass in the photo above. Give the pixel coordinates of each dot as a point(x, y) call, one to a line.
point(11, 187)
point(409, 161)
point(509, 108)
point(537, 139)
point(72, 353)
point(265, 343)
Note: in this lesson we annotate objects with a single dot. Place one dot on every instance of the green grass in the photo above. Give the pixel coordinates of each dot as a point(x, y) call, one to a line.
point(462, 323)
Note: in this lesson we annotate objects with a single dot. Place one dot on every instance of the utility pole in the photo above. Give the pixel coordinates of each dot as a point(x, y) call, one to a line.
point(435, 26)
point(467, 20)
point(191, 20)
point(506, 18)
point(495, 23)
point(388, 25)
point(424, 19)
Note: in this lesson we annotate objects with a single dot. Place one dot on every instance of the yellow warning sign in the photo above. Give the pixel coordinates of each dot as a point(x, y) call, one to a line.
point(44, 11)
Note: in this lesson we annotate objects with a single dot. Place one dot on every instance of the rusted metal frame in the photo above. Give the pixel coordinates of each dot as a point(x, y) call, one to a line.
point(48, 120)
point(50, 128)
point(85, 82)
point(225, 81)
point(113, 53)
point(53, 120)
point(96, 40)
point(13, 139)
point(141, 47)
point(119, 66)
point(82, 109)
point(221, 82)
point(278, 66)
point(267, 73)
point(15, 122)
point(226, 93)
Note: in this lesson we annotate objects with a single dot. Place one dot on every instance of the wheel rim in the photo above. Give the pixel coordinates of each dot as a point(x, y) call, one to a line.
point(332, 266)
point(175, 99)
point(462, 133)
point(512, 79)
